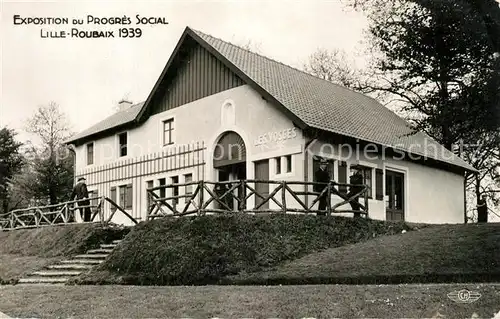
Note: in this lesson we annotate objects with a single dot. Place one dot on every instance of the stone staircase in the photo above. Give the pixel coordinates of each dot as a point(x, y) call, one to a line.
point(65, 270)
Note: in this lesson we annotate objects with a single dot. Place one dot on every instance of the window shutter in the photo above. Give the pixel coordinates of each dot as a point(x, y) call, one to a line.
point(343, 176)
point(113, 197)
point(379, 186)
point(128, 196)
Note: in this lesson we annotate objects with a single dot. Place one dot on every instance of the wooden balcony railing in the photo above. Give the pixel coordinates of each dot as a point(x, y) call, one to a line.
point(235, 196)
point(62, 213)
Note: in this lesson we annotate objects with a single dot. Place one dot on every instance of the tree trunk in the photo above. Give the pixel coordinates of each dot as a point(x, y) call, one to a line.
point(478, 189)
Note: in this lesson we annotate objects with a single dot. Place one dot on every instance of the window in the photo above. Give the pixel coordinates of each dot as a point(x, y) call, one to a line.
point(188, 178)
point(366, 173)
point(113, 197)
point(175, 189)
point(278, 165)
point(149, 201)
point(122, 142)
point(168, 128)
point(162, 182)
point(90, 153)
point(126, 196)
point(288, 161)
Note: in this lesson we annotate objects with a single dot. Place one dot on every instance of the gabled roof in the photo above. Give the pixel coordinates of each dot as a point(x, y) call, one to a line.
point(117, 119)
point(309, 101)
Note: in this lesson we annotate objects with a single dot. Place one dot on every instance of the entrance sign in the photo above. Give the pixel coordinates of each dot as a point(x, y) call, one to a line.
point(276, 136)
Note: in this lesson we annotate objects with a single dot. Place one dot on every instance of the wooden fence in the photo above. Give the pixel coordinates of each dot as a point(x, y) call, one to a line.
point(62, 213)
point(233, 196)
point(137, 171)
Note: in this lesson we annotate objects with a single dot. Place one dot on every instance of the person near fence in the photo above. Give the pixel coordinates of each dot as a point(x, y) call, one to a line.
point(482, 210)
point(357, 186)
point(321, 176)
point(80, 192)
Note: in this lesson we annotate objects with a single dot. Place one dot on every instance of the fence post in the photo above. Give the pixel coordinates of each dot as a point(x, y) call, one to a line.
point(283, 196)
point(201, 191)
point(329, 198)
point(366, 201)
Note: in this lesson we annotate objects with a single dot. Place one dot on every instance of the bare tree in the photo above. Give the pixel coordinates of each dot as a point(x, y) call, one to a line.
point(52, 162)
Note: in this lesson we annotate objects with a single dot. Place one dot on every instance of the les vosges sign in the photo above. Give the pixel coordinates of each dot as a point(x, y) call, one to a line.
point(276, 136)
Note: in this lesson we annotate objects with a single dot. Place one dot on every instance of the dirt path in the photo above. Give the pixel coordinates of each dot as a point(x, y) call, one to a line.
point(397, 301)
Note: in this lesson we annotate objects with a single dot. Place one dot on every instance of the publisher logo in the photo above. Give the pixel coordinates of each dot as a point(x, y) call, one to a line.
point(464, 296)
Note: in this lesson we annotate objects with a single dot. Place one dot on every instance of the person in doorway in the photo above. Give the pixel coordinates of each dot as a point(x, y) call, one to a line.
point(322, 176)
point(357, 181)
point(80, 192)
point(482, 210)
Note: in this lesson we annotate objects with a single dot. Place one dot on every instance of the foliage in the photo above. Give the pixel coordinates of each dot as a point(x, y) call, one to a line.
point(51, 163)
point(334, 66)
point(10, 163)
point(439, 61)
point(203, 250)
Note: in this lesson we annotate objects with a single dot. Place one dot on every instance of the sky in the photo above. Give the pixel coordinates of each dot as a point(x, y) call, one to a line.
point(87, 77)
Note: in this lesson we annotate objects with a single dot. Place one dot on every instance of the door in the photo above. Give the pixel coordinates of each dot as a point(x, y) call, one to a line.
point(262, 173)
point(394, 195)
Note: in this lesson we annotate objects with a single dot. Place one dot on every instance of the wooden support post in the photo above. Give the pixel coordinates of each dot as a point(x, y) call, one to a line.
point(328, 199)
point(283, 197)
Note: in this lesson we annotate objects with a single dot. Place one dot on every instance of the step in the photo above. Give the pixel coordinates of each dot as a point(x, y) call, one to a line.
point(108, 246)
point(116, 241)
point(70, 266)
point(100, 251)
point(92, 256)
point(47, 280)
point(82, 261)
point(56, 273)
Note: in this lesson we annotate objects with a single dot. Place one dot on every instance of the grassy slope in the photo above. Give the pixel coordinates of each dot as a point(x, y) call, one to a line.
point(203, 250)
point(324, 301)
point(25, 250)
point(447, 253)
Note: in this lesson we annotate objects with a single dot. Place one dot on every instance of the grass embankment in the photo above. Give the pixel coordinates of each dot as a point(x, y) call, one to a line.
point(446, 253)
point(324, 301)
point(204, 250)
point(26, 250)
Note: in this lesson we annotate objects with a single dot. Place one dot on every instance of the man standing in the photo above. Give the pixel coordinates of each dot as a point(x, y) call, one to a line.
point(81, 192)
point(357, 181)
point(322, 176)
point(482, 210)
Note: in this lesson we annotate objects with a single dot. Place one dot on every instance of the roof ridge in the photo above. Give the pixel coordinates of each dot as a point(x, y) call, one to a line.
point(286, 65)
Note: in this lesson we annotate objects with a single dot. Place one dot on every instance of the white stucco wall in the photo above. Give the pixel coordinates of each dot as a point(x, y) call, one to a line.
point(431, 195)
point(202, 121)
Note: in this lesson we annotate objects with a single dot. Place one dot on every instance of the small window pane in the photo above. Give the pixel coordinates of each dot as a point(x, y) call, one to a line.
point(168, 127)
point(175, 189)
point(288, 163)
point(149, 184)
point(189, 188)
point(278, 165)
point(128, 197)
point(162, 182)
point(123, 144)
point(90, 153)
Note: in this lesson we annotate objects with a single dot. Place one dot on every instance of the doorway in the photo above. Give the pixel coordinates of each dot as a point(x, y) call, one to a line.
point(230, 164)
point(394, 195)
point(233, 172)
point(262, 173)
